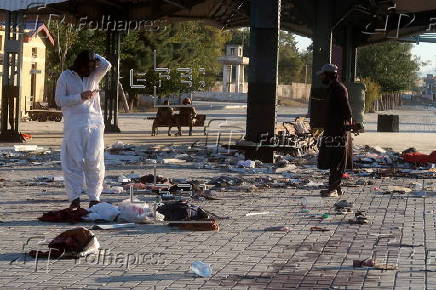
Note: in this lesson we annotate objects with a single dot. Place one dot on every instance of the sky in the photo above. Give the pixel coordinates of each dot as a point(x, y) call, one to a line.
point(425, 51)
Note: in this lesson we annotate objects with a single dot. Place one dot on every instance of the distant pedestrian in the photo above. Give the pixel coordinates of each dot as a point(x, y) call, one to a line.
point(333, 150)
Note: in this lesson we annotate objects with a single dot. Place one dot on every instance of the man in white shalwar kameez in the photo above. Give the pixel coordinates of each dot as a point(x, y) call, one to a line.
point(82, 152)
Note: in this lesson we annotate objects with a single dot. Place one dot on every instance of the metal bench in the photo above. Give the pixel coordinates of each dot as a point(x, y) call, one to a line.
point(198, 121)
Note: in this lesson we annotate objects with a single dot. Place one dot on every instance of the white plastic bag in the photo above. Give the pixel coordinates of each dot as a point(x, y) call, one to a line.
point(135, 212)
point(102, 211)
point(246, 164)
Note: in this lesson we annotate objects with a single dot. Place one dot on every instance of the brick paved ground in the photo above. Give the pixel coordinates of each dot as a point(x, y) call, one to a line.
point(243, 256)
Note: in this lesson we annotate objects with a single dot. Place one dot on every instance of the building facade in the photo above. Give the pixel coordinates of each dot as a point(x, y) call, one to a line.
point(429, 90)
point(32, 81)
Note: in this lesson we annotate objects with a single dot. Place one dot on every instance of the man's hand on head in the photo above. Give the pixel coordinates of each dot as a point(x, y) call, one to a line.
point(87, 95)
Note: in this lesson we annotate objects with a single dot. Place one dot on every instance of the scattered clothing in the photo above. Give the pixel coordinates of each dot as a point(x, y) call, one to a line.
point(211, 225)
point(67, 215)
point(74, 243)
point(182, 211)
point(416, 157)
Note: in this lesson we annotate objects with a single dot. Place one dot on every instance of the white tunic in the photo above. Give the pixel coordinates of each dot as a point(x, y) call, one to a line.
point(78, 113)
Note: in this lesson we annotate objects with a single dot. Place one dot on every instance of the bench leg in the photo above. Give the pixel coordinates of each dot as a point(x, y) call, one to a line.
point(190, 130)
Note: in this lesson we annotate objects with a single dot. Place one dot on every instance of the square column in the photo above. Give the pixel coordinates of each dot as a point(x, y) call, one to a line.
point(112, 80)
point(263, 75)
point(322, 54)
point(238, 78)
point(12, 64)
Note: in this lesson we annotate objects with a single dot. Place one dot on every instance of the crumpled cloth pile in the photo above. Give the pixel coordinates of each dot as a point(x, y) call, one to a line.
point(417, 157)
point(71, 244)
point(67, 215)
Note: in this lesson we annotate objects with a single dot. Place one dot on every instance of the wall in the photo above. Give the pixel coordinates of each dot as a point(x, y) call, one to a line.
point(294, 91)
point(28, 59)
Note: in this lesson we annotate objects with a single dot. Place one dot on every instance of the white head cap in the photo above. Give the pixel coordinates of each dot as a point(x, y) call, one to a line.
point(328, 68)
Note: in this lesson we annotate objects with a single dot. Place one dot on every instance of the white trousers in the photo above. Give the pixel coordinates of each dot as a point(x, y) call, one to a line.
point(82, 158)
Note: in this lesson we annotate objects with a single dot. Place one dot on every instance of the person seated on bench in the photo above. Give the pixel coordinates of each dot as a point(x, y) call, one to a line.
point(165, 115)
point(186, 116)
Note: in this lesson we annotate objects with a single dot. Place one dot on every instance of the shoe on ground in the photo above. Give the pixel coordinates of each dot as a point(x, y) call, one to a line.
point(329, 193)
point(343, 204)
point(93, 202)
point(75, 203)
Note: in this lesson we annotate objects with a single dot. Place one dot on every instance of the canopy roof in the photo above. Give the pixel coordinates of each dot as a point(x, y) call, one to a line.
point(372, 20)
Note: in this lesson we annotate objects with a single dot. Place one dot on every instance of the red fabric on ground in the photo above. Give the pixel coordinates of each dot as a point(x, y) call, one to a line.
point(417, 157)
point(66, 215)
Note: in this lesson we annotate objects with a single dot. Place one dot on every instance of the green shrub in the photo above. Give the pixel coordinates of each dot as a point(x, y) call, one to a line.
point(373, 93)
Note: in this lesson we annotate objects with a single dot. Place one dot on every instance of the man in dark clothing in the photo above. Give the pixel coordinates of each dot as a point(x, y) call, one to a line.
point(187, 116)
point(165, 115)
point(335, 132)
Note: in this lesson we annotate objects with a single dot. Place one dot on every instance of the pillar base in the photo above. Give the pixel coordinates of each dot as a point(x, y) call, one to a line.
point(11, 137)
point(265, 155)
point(111, 129)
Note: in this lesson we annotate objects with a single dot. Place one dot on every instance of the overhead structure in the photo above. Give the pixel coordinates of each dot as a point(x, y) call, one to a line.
point(425, 37)
point(345, 23)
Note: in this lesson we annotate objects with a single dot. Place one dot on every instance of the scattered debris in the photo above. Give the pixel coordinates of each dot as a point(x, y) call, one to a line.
point(257, 213)
point(385, 267)
point(136, 211)
point(113, 226)
point(398, 189)
point(363, 263)
point(71, 244)
point(319, 229)
point(209, 225)
point(201, 269)
point(182, 211)
point(360, 218)
point(278, 229)
point(325, 216)
point(343, 207)
point(67, 215)
point(246, 164)
point(102, 211)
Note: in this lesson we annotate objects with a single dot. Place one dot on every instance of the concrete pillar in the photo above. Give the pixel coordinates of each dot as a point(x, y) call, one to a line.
point(225, 78)
point(263, 75)
point(113, 77)
point(242, 79)
point(12, 64)
point(237, 80)
point(322, 52)
point(349, 57)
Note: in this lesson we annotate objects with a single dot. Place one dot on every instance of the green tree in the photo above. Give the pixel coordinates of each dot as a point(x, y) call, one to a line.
point(181, 45)
point(390, 64)
point(292, 63)
point(373, 93)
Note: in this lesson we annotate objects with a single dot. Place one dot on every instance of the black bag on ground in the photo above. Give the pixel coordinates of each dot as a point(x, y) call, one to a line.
point(182, 211)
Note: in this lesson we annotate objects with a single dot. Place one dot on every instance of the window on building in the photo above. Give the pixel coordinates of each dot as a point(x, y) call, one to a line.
point(232, 51)
point(240, 51)
point(34, 52)
point(33, 81)
point(1, 42)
